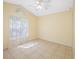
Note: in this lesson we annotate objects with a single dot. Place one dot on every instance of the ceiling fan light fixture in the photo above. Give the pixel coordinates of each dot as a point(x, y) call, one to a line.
point(39, 7)
point(41, 4)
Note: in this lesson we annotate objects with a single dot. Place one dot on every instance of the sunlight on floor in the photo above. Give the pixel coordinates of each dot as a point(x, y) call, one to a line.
point(28, 45)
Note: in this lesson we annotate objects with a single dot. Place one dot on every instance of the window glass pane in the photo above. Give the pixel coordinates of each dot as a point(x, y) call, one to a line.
point(18, 27)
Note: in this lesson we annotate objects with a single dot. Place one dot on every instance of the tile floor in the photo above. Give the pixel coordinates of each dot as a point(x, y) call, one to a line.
point(40, 49)
point(5, 54)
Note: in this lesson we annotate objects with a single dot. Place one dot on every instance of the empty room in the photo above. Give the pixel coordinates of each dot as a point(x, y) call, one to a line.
point(38, 29)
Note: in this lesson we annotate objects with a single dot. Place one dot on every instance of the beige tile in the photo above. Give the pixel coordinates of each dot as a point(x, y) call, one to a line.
point(41, 49)
point(68, 53)
point(6, 54)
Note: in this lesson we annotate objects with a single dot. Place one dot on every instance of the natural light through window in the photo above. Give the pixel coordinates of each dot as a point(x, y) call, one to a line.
point(30, 45)
point(18, 27)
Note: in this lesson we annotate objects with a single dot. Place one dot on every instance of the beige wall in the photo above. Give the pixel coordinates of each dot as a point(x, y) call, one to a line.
point(56, 27)
point(10, 9)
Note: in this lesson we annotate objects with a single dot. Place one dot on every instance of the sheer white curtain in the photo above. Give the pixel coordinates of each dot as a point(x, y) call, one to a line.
point(18, 30)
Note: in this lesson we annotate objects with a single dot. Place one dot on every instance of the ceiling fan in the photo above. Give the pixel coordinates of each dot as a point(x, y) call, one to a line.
point(42, 4)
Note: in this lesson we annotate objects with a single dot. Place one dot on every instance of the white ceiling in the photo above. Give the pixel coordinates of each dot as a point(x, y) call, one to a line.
point(55, 6)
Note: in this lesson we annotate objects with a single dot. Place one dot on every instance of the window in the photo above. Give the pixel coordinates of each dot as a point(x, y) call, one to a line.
point(18, 27)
